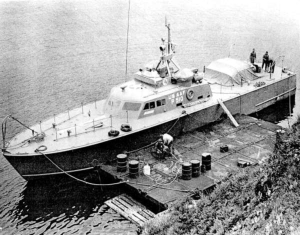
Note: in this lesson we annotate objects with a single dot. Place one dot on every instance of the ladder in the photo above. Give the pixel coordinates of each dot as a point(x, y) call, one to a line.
point(228, 113)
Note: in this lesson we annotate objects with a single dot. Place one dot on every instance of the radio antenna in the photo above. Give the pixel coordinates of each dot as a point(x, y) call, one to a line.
point(127, 40)
point(169, 34)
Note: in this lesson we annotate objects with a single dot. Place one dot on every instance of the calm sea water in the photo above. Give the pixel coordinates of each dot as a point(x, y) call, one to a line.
point(57, 54)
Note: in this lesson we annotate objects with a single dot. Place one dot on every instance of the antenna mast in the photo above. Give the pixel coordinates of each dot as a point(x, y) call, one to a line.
point(169, 35)
point(127, 41)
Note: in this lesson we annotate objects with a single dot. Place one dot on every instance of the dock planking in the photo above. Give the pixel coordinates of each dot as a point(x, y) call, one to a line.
point(248, 144)
point(130, 209)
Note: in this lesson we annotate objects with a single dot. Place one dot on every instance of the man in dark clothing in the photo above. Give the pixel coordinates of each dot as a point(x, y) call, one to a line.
point(252, 57)
point(272, 65)
point(265, 61)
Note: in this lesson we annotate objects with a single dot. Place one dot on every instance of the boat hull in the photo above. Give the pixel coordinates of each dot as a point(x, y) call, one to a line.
point(84, 159)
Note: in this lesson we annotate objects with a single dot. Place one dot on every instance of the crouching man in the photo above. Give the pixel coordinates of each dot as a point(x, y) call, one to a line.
point(167, 141)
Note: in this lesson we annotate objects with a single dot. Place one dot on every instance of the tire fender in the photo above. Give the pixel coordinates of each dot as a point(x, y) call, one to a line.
point(126, 127)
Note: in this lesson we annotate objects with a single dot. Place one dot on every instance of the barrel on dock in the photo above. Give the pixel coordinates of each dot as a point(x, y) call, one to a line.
point(206, 161)
point(133, 169)
point(186, 171)
point(195, 168)
point(121, 162)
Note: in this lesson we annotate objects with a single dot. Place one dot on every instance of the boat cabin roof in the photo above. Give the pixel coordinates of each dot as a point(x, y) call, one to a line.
point(137, 91)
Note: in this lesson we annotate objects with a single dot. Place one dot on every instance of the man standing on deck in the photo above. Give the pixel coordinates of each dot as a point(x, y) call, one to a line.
point(252, 56)
point(265, 61)
point(271, 65)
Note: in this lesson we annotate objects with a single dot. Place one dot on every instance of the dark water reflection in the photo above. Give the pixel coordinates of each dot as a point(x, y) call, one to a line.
point(68, 207)
point(281, 113)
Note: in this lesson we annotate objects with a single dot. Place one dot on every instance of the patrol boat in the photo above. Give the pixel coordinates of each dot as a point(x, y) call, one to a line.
point(161, 98)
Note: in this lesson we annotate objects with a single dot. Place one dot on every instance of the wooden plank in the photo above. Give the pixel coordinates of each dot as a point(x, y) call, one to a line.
point(130, 209)
point(118, 205)
point(228, 113)
point(140, 217)
point(123, 203)
point(145, 214)
point(130, 202)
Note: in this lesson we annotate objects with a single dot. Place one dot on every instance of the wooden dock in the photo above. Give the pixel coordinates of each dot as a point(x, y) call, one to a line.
point(130, 209)
point(249, 143)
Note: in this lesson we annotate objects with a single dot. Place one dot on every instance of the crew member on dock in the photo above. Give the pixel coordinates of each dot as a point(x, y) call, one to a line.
point(159, 146)
point(168, 141)
point(252, 56)
point(265, 61)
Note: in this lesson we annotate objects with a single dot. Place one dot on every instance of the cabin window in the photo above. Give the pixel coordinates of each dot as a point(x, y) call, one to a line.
point(131, 106)
point(146, 106)
point(152, 105)
point(179, 104)
point(200, 97)
point(160, 102)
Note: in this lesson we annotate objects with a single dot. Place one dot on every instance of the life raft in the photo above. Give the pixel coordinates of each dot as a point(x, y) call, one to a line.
point(113, 133)
point(190, 94)
point(126, 127)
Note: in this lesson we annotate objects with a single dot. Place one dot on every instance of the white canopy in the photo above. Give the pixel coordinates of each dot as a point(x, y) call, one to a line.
point(229, 71)
point(184, 75)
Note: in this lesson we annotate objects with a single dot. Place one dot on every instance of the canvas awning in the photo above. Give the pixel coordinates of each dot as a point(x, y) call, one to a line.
point(229, 72)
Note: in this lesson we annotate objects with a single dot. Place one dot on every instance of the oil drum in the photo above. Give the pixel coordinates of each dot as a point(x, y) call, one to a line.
point(195, 168)
point(206, 161)
point(186, 171)
point(121, 162)
point(133, 169)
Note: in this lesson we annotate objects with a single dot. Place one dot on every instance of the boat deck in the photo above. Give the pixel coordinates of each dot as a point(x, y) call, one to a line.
point(83, 123)
point(250, 143)
point(263, 77)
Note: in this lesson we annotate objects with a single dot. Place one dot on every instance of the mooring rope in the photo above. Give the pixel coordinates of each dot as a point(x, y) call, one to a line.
point(75, 178)
point(149, 145)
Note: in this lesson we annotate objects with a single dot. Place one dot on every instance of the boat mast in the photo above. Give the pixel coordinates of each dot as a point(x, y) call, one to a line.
point(167, 57)
point(169, 35)
point(170, 50)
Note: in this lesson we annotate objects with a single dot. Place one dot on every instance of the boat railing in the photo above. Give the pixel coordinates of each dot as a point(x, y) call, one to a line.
point(65, 116)
point(83, 128)
point(4, 128)
point(69, 116)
